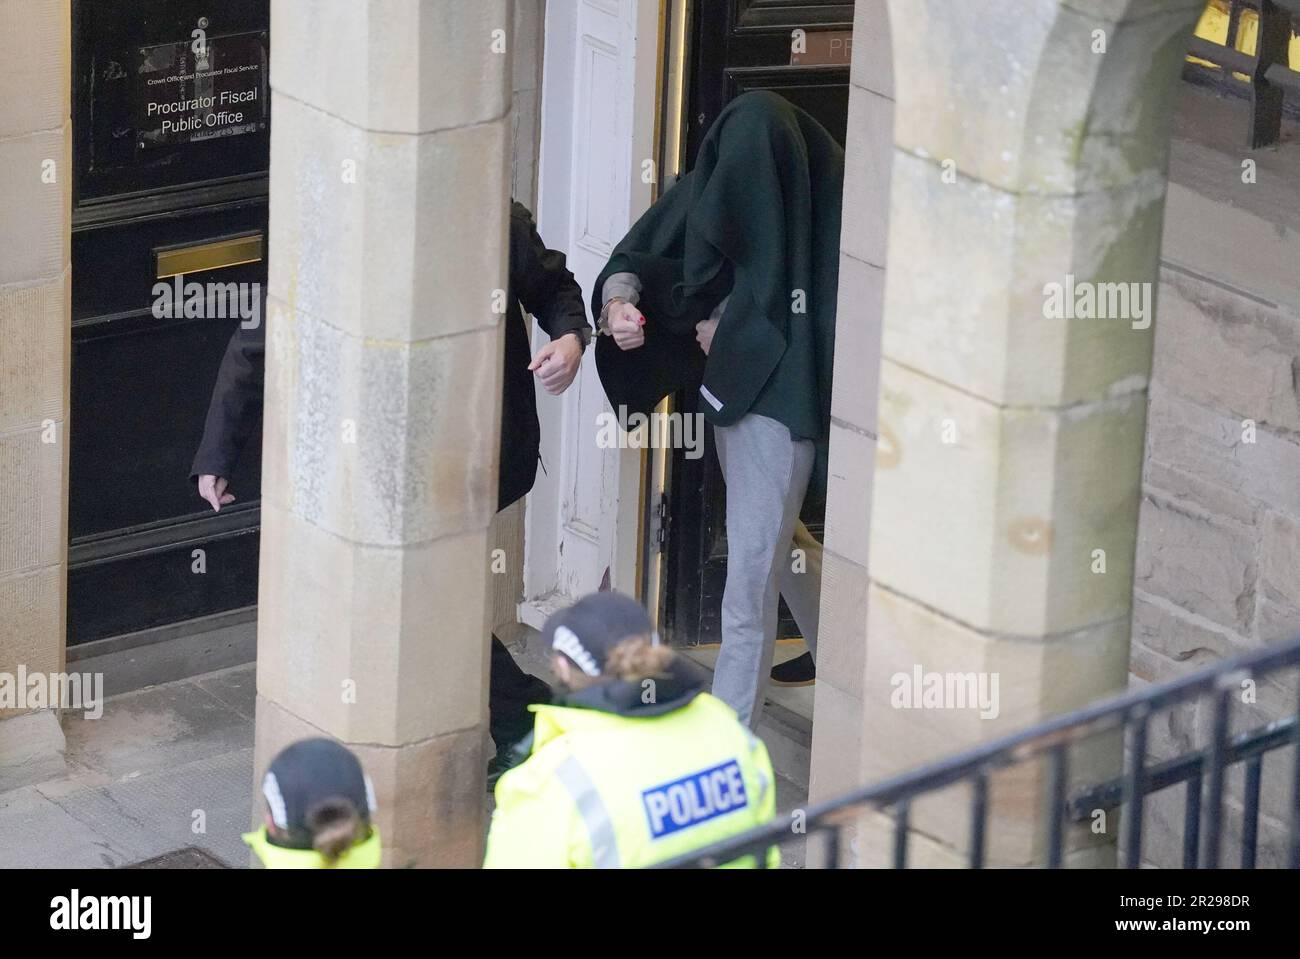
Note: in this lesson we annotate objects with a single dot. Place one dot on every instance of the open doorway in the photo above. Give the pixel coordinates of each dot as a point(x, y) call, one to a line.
point(802, 51)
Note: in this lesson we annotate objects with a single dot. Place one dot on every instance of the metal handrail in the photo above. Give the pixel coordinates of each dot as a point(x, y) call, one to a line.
point(1053, 737)
point(1172, 772)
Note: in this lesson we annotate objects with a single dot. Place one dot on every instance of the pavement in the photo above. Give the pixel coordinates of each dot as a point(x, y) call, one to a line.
point(163, 768)
point(170, 766)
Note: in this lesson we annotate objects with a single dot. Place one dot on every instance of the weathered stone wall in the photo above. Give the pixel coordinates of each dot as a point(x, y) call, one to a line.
point(1218, 551)
point(378, 491)
point(1030, 146)
point(1218, 559)
point(837, 721)
point(35, 277)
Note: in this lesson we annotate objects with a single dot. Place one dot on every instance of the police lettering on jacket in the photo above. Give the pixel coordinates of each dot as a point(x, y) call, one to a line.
point(694, 799)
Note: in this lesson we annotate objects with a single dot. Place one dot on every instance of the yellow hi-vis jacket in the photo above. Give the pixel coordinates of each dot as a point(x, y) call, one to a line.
point(364, 855)
point(606, 790)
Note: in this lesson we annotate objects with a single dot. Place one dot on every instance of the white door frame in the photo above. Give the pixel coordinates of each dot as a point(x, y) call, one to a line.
point(599, 99)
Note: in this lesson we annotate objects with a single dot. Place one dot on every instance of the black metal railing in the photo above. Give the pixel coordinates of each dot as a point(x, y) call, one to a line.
point(1271, 78)
point(1202, 773)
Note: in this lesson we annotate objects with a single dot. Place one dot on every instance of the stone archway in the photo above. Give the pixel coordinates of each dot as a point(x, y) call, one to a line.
point(1030, 149)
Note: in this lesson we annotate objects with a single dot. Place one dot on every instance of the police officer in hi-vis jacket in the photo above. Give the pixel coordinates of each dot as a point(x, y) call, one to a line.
point(317, 807)
point(634, 763)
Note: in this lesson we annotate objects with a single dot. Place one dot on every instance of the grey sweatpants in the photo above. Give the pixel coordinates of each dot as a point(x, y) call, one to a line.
point(767, 472)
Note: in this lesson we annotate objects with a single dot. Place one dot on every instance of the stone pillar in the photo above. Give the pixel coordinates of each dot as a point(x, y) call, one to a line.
point(1030, 149)
point(35, 273)
point(388, 271)
point(841, 646)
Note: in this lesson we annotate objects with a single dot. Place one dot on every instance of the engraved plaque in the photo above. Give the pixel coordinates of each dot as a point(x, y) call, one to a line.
point(200, 89)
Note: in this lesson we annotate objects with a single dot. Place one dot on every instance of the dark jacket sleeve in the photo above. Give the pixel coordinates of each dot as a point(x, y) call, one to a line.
point(541, 280)
point(670, 358)
point(236, 406)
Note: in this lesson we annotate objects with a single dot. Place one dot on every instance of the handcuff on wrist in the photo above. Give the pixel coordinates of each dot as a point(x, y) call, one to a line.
point(602, 325)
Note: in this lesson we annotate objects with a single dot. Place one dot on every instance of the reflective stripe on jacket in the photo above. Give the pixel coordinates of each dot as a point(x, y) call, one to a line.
point(604, 790)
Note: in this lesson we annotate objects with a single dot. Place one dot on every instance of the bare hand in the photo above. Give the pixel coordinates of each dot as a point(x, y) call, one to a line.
point(557, 363)
point(625, 322)
point(704, 331)
point(213, 489)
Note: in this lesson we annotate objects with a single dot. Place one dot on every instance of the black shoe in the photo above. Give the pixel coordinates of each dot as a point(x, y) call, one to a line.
point(800, 671)
point(507, 758)
point(496, 767)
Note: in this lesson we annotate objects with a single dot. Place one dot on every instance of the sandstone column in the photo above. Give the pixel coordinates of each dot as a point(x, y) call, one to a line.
point(841, 644)
point(35, 272)
point(1030, 150)
point(388, 272)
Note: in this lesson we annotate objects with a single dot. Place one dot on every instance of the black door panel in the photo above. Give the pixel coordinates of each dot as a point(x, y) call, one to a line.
point(155, 168)
point(139, 401)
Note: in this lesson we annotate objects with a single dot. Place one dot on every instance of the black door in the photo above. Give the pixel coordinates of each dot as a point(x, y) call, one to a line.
point(171, 131)
point(742, 45)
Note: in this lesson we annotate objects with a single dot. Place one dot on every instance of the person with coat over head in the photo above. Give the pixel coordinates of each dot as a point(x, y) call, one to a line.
point(727, 287)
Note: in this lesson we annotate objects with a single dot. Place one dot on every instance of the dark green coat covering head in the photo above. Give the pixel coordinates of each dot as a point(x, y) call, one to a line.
point(757, 218)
